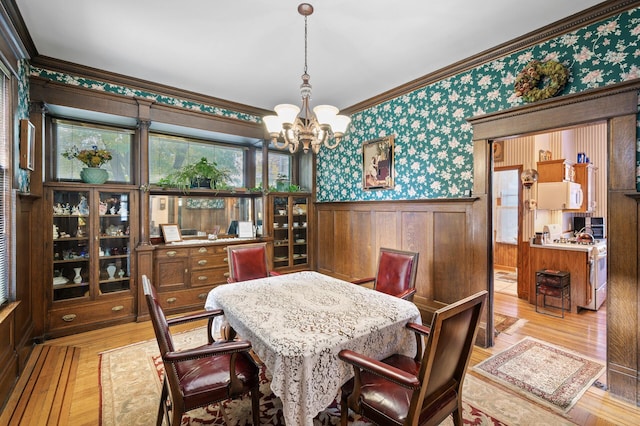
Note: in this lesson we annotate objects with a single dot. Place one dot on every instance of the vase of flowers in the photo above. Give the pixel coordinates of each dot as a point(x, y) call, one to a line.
point(93, 158)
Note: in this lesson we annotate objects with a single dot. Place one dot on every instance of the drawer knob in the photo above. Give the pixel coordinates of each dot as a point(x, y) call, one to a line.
point(202, 250)
point(225, 260)
point(202, 262)
point(202, 296)
point(172, 253)
point(117, 308)
point(202, 278)
point(68, 317)
point(171, 300)
point(226, 275)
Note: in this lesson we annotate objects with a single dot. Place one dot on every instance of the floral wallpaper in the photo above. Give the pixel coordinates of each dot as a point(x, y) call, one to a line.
point(130, 92)
point(433, 141)
point(23, 176)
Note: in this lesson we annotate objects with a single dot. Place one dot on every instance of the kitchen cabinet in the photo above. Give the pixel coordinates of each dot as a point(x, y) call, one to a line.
point(576, 261)
point(91, 234)
point(585, 176)
point(289, 221)
point(556, 171)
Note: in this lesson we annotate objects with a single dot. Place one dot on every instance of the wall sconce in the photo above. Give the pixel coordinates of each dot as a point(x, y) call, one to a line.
point(528, 178)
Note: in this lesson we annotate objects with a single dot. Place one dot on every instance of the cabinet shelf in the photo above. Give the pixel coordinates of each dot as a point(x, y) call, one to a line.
point(79, 259)
point(57, 240)
point(69, 285)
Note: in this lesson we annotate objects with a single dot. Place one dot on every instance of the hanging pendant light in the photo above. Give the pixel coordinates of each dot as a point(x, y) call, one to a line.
point(294, 128)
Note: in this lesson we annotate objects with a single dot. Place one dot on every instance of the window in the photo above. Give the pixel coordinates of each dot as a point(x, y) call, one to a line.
point(69, 134)
point(506, 189)
point(4, 192)
point(168, 153)
point(279, 164)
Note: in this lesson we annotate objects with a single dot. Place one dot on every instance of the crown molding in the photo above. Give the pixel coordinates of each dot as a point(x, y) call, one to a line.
point(578, 20)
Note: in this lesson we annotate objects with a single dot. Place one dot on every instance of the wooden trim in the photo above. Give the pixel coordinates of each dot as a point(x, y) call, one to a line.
point(588, 16)
point(109, 77)
point(589, 106)
point(6, 311)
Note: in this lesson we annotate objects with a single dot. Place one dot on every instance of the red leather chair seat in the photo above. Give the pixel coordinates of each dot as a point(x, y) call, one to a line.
point(386, 400)
point(207, 379)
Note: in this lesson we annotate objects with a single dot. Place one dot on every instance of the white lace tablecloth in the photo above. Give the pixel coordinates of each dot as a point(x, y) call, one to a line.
point(297, 324)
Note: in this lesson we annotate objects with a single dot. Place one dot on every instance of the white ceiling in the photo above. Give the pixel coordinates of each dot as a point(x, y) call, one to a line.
point(252, 51)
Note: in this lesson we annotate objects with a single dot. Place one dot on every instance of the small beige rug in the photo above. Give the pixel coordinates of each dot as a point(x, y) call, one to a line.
point(550, 375)
point(130, 392)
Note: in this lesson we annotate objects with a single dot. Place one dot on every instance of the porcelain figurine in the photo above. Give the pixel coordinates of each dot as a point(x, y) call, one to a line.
point(102, 209)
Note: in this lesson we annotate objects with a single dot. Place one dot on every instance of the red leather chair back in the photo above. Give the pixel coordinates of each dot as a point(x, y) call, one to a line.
point(396, 271)
point(247, 262)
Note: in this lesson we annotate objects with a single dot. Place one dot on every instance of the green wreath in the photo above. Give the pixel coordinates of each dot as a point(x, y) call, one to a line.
point(552, 74)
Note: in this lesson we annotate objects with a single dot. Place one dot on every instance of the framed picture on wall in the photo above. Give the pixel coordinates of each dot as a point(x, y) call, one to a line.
point(27, 144)
point(498, 151)
point(377, 163)
point(171, 233)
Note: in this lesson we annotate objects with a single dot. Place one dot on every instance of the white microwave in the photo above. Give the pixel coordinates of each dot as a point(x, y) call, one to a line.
point(559, 195)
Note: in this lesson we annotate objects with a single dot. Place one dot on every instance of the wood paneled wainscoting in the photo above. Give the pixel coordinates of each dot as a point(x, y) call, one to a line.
point(350, 236)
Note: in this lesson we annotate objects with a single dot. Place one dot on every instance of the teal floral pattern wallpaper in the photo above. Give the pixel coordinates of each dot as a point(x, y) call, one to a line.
point(131, 92)
point(433, 141)
point(23, 176)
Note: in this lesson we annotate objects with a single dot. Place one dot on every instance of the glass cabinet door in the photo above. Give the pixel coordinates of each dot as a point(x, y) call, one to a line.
point(71, 244)
point(114, 266)
point(280, 232)
point(299, 230)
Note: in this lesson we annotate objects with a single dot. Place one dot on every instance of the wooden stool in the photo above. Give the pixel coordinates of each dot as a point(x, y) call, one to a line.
point(556, 284)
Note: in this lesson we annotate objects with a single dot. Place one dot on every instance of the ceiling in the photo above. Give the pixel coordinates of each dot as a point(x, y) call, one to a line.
point(252, 51)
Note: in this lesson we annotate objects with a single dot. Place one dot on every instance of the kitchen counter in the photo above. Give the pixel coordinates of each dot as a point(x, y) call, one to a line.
point(564, 246)
point(573, 258)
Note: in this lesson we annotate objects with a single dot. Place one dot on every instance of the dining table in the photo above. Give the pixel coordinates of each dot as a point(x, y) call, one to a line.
point(297, 324)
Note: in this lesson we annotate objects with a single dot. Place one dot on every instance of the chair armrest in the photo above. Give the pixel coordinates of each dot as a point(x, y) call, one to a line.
point(200, 315)
point(407, 294)
point(364, 280)
point(208, 350)
point(381, 369)
point(419, 328)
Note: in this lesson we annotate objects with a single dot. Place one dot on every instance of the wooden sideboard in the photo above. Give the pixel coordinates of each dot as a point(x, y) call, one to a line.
point(184, 274)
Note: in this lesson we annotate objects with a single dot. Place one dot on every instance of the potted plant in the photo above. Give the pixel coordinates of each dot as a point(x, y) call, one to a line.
point(92, 158)
point(201, 174)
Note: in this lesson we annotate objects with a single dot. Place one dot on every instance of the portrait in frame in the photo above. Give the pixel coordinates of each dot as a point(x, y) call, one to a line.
point(27, 144)
point(377, 163)
point(498, 151)
point(171, 233)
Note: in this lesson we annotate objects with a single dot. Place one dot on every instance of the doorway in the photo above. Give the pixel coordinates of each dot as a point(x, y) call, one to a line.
point(507, 225)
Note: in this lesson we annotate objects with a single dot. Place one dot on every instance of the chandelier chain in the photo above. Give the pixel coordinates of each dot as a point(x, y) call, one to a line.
point(305, 45)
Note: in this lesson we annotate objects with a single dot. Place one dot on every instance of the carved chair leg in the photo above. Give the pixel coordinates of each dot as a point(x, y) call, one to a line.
point(163, 403)
point(457, 416)
point(344, 410)
point(255, 405)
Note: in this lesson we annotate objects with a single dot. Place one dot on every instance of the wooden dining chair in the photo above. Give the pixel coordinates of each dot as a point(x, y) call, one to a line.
point(248, 262)
point(203, 375)
point(396, 273)
point(426, 389)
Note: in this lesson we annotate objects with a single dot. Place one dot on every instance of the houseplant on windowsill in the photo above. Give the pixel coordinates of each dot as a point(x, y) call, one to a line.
point(201, 174)
point(92, 158)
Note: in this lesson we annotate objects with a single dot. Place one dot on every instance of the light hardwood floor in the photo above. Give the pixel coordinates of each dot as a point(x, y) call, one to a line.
point(584, 333)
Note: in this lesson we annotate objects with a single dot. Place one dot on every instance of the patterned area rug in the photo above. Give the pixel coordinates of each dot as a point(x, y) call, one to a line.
point(547, 374)
point(130, 379)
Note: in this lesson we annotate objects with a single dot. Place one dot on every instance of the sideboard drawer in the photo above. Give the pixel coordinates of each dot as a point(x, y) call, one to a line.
point(209, 277)
point(72, 316)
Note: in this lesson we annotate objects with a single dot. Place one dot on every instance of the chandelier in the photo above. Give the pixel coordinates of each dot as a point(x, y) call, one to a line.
point(292, 130)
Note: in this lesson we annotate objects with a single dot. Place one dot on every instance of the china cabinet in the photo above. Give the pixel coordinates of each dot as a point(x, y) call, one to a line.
point(289, 225)
point(92, 233)
point(585, 176)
